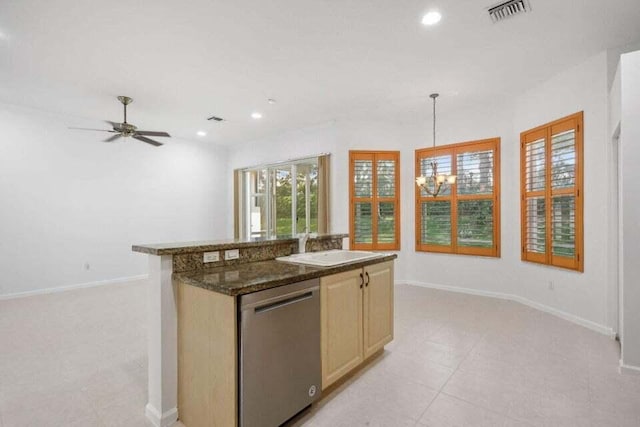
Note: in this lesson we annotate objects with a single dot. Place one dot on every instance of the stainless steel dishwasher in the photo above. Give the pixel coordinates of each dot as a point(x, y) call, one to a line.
point(280, 371)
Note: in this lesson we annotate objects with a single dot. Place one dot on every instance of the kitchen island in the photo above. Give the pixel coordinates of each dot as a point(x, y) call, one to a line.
point(193, 319)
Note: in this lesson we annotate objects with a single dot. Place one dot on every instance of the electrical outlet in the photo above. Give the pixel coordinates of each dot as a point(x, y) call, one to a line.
point(87, 266)
point(232, 254)
point(211, 257)
point(550, 285)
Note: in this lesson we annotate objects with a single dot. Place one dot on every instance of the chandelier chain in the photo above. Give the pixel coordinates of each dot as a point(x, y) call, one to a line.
point(434, 123)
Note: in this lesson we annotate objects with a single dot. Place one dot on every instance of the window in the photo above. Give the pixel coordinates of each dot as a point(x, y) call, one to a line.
point(374, 194)
point(465, 217)
point(551, 188)
point(279, 199)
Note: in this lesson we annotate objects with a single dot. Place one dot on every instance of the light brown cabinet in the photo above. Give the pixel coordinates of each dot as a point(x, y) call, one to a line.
point(378, 307)
point(356, 314)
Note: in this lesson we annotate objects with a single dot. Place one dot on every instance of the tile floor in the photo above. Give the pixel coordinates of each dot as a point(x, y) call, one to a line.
point(78, 358)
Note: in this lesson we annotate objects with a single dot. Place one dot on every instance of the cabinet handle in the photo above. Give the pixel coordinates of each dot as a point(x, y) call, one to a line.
point(361, 280)
point(367, 273)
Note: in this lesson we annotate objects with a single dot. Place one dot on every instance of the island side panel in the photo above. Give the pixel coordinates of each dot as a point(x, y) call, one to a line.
point(161, 408)
point(207, 357)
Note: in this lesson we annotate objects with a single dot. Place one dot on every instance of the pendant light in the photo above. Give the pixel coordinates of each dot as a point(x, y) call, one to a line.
point(436, 182)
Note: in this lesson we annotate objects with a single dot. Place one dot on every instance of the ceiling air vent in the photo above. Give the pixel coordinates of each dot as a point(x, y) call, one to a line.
point(508, 9)
point(217, 119)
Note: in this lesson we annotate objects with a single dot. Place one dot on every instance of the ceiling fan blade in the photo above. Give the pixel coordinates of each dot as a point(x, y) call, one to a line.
point(114, 125)
point(147, 140)
point(152, 133)
point(113, 138)
point(99, 130)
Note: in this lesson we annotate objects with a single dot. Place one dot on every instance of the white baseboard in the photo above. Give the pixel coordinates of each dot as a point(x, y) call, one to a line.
point(167, 419)
point(629, 369)
point(517, 298)
point(72, 287)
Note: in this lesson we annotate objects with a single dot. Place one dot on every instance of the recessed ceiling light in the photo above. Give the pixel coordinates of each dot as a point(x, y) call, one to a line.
point(431, 18)
point(201, 133)
point(256, 115)
point(271, 101)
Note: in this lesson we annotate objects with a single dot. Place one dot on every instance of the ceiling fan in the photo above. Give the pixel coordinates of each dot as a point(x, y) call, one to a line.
point(126, 130)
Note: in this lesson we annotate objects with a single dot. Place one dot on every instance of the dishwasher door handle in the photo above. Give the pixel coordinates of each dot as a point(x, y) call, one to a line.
point(282, 303)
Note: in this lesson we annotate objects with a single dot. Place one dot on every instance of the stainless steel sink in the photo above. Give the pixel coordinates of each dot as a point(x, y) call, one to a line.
point(329, 258)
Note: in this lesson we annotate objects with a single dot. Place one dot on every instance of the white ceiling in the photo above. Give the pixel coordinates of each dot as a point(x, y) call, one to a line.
point(322, 60)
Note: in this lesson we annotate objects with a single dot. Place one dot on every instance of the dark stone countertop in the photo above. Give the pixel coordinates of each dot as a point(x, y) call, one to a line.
point(256, 276)
point(213, 245)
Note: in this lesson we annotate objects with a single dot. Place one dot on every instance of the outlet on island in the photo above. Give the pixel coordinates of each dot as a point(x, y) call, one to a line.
point(211, 257)
point(232, 254)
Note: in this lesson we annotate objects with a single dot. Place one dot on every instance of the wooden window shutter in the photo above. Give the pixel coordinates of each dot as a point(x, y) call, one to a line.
point(374, 193)
point(551, 188)
point(464, 218)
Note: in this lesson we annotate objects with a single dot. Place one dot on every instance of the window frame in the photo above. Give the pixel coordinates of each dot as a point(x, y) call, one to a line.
point(244, 196)
point(374, 156)
point(546, 131)
point(454, 150)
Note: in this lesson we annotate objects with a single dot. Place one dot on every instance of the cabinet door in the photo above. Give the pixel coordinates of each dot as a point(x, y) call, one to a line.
point(378, 307)
point(341, 319)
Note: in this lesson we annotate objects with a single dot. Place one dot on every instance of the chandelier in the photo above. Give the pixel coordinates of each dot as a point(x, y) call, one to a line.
point(436, 182)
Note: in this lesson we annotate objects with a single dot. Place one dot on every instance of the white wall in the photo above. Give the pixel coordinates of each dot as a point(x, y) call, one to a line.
point(68, 199)
point(613, 58)
point(583, 87)
point(614, 294)
point(615, 101)
point(630, 159)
